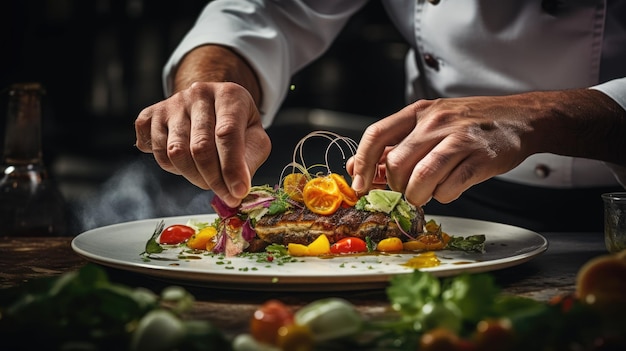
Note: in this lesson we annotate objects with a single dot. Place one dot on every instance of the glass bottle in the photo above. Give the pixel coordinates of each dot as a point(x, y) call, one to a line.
point(30, 202)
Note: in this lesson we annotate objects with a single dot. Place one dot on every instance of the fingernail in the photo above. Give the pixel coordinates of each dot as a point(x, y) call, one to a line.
point(357, 183)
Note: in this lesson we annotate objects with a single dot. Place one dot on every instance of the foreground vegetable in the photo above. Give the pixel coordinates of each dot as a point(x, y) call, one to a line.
point(84, 310)
point(597, 286)
point(329, 318)
point(268, 319)
point(465, 312)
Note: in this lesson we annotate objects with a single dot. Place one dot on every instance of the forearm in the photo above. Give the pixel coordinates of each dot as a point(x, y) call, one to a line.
point(215, 63)
point(582, 123)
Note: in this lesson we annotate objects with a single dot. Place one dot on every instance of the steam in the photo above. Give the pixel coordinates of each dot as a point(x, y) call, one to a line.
point(140, 190)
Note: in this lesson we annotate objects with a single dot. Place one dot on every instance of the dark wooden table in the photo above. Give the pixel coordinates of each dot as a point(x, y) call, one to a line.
point(550, 274)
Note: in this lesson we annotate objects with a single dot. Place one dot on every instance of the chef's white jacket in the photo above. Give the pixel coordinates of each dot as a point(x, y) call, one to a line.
point(458, 48)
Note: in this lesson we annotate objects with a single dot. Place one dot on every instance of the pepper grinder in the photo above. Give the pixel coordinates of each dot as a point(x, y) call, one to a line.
point(30, 202)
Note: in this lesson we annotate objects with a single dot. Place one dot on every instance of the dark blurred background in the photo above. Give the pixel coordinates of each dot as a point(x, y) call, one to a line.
point(101, 63)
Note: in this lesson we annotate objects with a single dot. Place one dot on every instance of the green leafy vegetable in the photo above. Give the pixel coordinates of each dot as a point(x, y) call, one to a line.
point(475, 243)
point(84, 310)
point(382, 200)
point(152, 246)
point(280, 203)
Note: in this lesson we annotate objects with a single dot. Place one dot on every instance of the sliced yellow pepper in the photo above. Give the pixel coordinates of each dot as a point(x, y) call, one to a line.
point(319, 246)
point(202, 240)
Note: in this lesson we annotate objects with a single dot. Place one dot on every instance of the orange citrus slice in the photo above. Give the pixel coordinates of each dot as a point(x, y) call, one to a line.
point(349, 195)
point(293, 184)
point(321, 195)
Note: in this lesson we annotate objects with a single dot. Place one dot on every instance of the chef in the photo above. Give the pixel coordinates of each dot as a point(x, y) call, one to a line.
point(515, 110)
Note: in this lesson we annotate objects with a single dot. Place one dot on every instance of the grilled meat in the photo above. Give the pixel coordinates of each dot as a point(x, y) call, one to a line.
point(302, 226)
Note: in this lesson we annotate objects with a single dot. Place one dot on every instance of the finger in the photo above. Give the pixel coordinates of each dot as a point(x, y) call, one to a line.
point(142, 130)
point(402, 159)
point(432, 170)
point(159, 135)
point(234, 110)
point(258, 147)
point(380, 176)
point(386, 132)
point(191, 144)
point(350, 166)
point(471, 170)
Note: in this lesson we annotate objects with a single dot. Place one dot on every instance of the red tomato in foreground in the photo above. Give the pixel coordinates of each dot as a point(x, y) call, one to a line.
point(348, 245)
point(268, 319)
point(176, 234)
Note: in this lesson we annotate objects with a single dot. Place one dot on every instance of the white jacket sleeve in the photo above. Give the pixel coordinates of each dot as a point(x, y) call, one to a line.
point(615, 89)
point(277, 38)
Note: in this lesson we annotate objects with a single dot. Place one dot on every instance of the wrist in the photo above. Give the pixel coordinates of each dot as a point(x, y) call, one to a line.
point(216, 63)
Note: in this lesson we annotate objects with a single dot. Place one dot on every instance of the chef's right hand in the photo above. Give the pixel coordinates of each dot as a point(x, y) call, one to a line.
point(211, 134)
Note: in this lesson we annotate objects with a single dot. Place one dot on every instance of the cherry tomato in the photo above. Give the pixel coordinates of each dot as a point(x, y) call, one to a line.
point(392, 244)
point(439, 339)
point(234, 222)
point(176, 234)
point(268, 319)
point(494, 335)
point(348, 245)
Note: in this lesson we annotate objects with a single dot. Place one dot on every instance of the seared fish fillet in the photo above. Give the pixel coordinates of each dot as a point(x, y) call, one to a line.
point(302, 226)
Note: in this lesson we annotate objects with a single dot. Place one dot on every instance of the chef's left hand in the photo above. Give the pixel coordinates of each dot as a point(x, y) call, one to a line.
point(440, 148)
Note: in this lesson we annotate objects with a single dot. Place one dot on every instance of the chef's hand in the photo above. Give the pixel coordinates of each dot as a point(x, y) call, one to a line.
point(440, 148)
point(211, 134)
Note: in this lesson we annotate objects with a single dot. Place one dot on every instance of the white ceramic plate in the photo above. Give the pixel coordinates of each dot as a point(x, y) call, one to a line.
point(120, 246)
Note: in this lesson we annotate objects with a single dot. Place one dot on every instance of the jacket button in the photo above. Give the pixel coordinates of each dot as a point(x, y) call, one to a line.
point(431, 61)
point(542, 171)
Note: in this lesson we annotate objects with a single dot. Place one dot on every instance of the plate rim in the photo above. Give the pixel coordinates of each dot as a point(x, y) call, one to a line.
point(340, 282)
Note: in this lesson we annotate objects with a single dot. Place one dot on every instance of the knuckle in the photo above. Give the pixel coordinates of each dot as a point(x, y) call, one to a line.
point(176, 150)
point(227, 128)
point(394, 162)
point(200, 149)
point(372, 133)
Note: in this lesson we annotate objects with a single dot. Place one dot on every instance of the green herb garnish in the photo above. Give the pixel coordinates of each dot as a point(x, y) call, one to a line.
point(152, 246)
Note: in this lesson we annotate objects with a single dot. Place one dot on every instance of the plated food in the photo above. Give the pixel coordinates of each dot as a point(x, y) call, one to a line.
point(313, 211)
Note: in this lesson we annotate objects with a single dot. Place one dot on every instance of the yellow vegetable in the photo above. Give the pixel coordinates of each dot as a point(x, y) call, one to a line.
point(203, 239)
point(319, 246)
point(297, 250)
point(392, 244)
